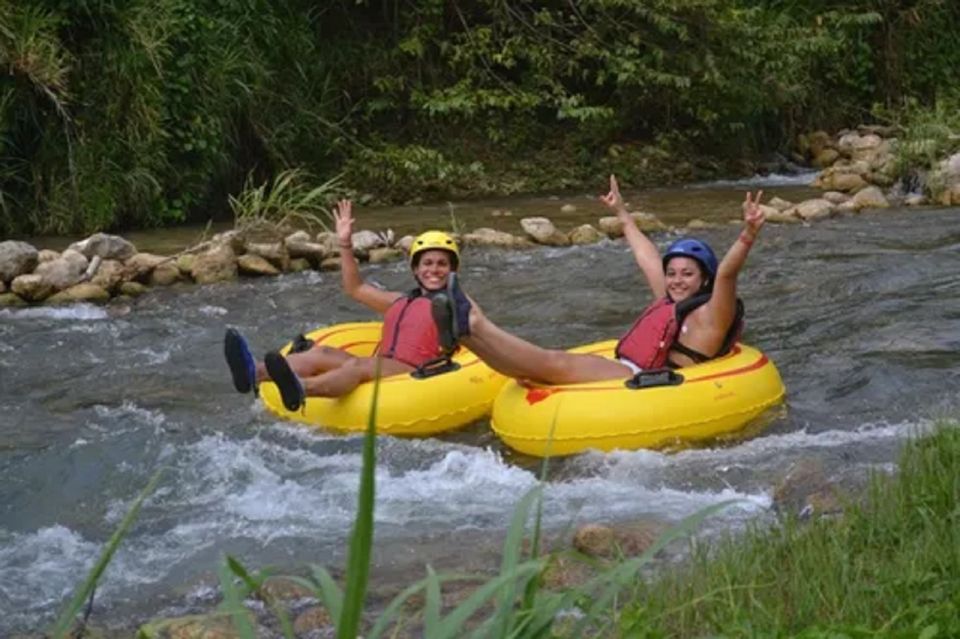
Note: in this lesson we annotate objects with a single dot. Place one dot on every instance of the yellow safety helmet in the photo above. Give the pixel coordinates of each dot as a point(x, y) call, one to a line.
point(435, 240)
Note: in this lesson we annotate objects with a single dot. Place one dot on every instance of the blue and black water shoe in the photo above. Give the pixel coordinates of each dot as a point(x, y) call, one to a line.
point(241, 363)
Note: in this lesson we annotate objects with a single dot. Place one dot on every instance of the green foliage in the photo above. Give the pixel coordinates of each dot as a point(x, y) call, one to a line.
point(285, 203)
point(411, 172)
point(890, 567)
point(930, 134)
point(128, 113)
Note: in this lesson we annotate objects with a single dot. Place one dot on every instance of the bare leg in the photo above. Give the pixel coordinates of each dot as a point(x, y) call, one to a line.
point(516, 357)
point(353, 372)
point(312, 362)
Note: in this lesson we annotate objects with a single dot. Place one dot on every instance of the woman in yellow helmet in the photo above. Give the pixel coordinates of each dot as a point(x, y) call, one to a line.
point(409, 339)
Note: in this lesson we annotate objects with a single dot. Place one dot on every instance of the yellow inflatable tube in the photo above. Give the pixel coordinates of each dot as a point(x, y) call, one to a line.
point(407, 406)
point(702, 402)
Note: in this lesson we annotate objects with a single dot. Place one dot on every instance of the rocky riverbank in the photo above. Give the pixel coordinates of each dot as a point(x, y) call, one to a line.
point(858, 171)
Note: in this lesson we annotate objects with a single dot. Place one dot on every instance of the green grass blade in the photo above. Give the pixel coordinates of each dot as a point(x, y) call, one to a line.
point(255, 583)
point(233, 603)
point(390, 612)
point(330, 593)
point(358, 563)
point(452, 625)
point(431, 609)
point(617, 578)
point(511, 557)
point(64, 622)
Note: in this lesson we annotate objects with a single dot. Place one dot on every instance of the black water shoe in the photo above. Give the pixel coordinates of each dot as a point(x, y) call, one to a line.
point(291, 390)
point(442, 311)
point(461, 307)
point(241, 363)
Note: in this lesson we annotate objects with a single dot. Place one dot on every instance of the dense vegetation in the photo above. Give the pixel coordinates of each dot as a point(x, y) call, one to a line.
point(121, 113)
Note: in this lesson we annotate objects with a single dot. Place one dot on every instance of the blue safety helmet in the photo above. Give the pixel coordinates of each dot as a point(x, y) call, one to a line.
point(694, 249)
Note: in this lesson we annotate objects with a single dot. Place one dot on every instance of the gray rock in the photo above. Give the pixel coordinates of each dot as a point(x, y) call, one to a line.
point(384, 254)
point(252, 264)
point(32, 287)
point(779, 203)
point(275, 253)
point(46, 255)
point(363, 241)
point(83, 292)
point(870, 197)
point(139, 266)
point(16, 258)
point(109, 275)
point(542, 231)
point(491, 237)
point(218, 264)
point(586, 234)
point(112, 247)
point(165, 274)
point(65, 271)
point(133, 289)
point(814, 209)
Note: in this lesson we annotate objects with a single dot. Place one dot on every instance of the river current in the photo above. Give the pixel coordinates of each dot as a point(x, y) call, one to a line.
point(859, 313)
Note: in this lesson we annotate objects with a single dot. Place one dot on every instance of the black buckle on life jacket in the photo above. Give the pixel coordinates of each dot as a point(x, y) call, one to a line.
point(654, 378)
point(435, 367)
point(300, 343)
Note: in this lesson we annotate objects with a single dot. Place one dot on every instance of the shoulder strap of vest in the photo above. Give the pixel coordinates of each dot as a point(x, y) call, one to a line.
point(686, 307)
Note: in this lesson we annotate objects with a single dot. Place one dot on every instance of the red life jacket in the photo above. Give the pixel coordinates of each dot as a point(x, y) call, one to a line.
point(409, 332)
point(651, 338)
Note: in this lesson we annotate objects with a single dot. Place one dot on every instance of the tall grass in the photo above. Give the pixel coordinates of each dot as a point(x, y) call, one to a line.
point(285, 202)
point(889, 567)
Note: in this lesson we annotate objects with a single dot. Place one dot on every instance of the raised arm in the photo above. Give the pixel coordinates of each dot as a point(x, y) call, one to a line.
point(353, 284)
point(644, 251)
point(723, 303)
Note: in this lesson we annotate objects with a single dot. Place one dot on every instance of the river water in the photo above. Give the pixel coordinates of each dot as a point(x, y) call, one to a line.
point(859, 313)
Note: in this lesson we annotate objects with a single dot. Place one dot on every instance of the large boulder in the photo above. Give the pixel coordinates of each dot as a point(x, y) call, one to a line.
point(301, 245)
point(218, 264)
point(109, 275)
point(139, 267)
point(859, 147)
point(870, 198)
point(252, 264)
point(32, 287)
point(813, 209)
point(586, 234)
point(165, 273)
point(16, 258)
point(945, 181)
point(65, 271)
point(83, 292)
point(542, 231)
point(384, 254)
point(363, 241)
point(646, 222)
point(491, 237)
point(275, 253)
point(842, 177)
point(108, 247)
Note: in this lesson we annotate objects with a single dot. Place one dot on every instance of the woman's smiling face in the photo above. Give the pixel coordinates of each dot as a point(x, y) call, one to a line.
point(683, 277)
point(433, 268)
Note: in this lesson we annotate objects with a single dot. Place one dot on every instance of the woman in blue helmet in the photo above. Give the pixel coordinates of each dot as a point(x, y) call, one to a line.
point(695, 315)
